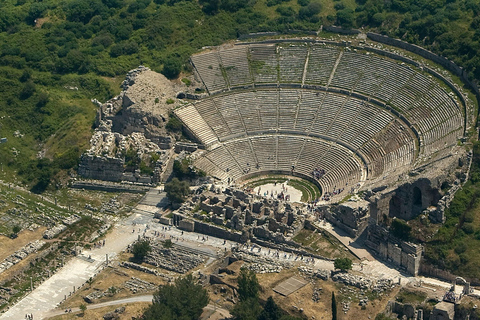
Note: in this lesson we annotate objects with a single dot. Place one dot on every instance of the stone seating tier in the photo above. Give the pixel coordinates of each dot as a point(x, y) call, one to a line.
point(360, 115)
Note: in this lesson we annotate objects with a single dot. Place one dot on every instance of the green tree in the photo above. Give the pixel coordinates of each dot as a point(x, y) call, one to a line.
point(183, 300)
point(16, 229)
point(248, 309)
point(167, 244)
point(400, 229)
point(248, 285)
point(334, 307)
point(177, 190)
point(174, 124)
point(271, 311)
point(83, 308)
point(28, 90)
point(172, 67)
point(343, 264)
point(140, 249)
point(346, 18)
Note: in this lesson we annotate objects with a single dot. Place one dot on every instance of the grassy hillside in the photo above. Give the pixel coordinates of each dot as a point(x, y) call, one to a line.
point(57, 55)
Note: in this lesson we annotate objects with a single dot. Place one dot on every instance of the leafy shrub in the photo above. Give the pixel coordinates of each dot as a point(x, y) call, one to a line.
point(400, 229)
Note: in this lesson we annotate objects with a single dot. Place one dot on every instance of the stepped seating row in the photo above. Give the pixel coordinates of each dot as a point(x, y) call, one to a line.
point(338, 117)
point(195, 122)
point(238, 157)
point(418, 97)
point(320, 64)
point(264, 63)
point(350, 69)
point(208, 67)
point(275, 129)
point(235, 63)
point(291, 63)
point(390, 149)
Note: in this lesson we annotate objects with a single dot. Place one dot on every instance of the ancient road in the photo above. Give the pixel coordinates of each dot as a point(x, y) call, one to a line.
point(78, 270)
point(145, 298)
point(48, 295)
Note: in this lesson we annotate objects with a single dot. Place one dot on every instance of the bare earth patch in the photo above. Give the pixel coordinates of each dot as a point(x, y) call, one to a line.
point(131, 310)
point(9, 246)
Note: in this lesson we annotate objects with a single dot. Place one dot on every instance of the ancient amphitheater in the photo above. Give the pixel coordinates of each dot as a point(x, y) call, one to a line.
point(357, 116)
point(355, 119)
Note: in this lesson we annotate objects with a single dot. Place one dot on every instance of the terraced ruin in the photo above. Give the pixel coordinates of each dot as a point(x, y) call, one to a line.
point(294, 107)
point(380, 134)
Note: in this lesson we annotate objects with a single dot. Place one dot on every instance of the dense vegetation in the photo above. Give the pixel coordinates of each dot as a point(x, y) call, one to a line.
point(456, 245)
point(140, 250)
point(182, 300)
point(248, 307)
point(55, 56)
point(177, 190)
point(344, 264)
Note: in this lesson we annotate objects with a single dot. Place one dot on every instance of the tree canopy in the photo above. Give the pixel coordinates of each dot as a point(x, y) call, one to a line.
point(140, 249)
point(177, 190)
point(249, 307)
point(343, 264)
point(183, 300)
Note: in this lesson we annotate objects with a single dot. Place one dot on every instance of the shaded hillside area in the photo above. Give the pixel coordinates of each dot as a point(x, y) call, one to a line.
point(456, 245)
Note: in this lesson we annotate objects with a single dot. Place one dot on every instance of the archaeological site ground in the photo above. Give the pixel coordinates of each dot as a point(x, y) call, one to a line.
point(334, 172)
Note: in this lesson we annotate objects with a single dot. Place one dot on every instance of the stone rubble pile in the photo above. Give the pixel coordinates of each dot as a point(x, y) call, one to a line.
point(114, 315)
point(172, 260)
point(316, 294)
point(382, 285)
point(20, 254)
point(71, 220)
point(131, 265)
point(131, 75)
point(54, 231)
point(94, 295)
point(112, 206)
point(318, 273)
point(264, 268)
point(258, 258)
point(352, 280)
point(138, 285)
point(5, 294)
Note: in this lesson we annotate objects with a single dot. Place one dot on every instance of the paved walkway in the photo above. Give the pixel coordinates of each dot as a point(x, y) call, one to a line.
point(355, 246)
point(144, 298)
point(78, 270)
point(209, 310)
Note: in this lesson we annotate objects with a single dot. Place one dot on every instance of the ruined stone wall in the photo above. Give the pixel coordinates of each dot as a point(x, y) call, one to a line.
point(219, 232)
point(101, 168)
point(403, 254)
point(351, 217)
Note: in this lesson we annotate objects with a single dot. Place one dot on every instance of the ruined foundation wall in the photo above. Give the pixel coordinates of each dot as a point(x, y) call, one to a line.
point(101, 168)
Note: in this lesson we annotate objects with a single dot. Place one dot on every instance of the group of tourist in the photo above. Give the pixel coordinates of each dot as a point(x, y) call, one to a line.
point(277, 254)
point(318, 173)
point(328, 195)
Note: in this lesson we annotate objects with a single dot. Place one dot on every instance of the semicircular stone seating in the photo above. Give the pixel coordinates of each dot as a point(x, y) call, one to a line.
point(323, 111)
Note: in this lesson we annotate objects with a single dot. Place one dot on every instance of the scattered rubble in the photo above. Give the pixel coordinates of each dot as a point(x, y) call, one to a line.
point(172, 259)
point(136, 285)
point(21, 254)
point(53, 232)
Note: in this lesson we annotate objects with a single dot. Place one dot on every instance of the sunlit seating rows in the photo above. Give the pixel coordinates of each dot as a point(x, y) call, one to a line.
point(283, 153)
point(291, 62)
point(280, 129)
point(320, 64)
